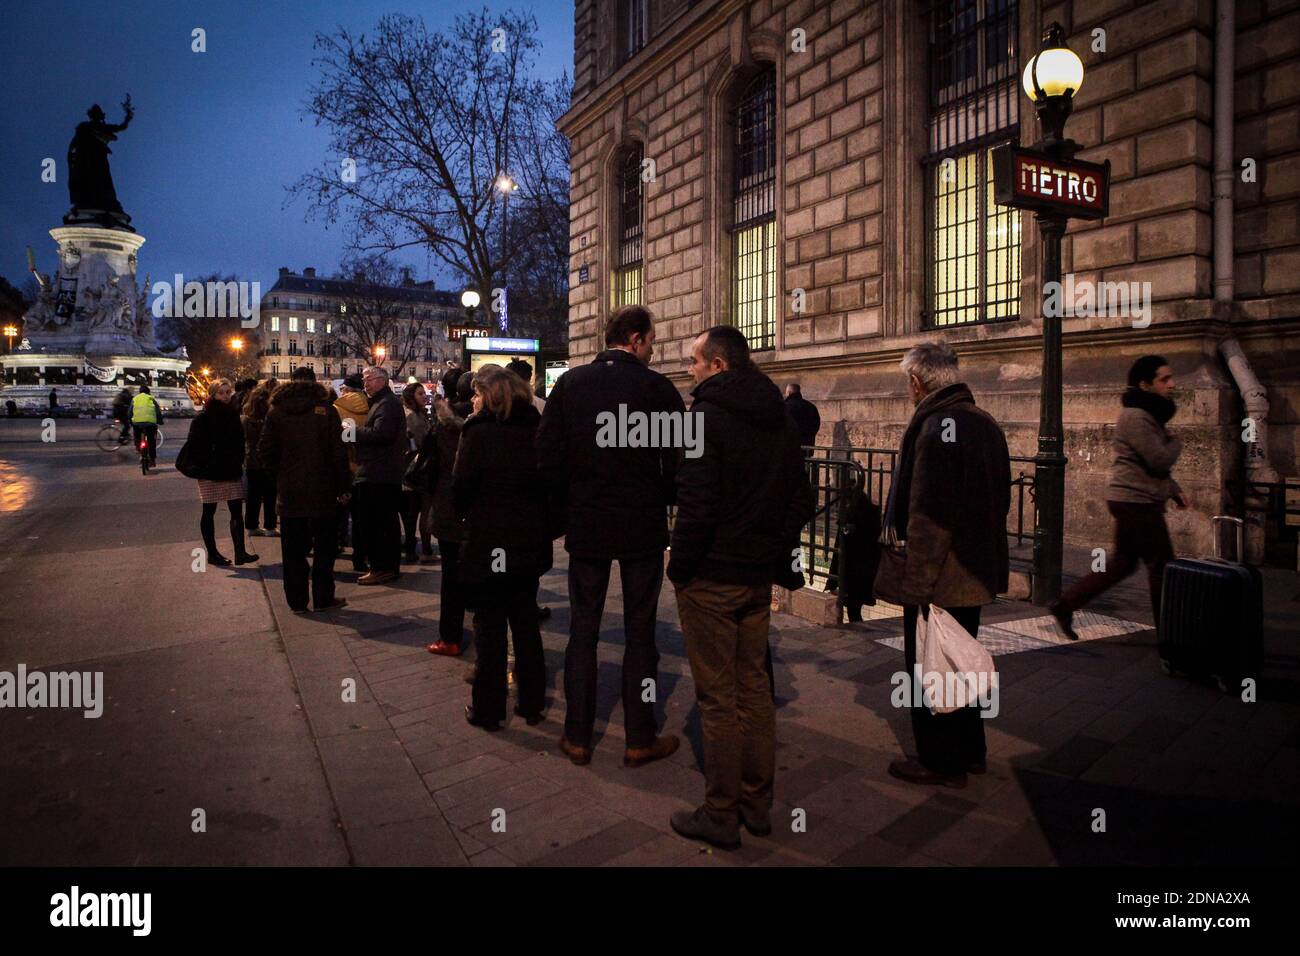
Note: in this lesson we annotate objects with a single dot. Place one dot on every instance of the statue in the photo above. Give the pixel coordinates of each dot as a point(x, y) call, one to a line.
point(90, 184)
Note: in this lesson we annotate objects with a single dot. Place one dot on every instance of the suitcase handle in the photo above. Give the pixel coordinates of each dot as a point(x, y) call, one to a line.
point(1214, 522)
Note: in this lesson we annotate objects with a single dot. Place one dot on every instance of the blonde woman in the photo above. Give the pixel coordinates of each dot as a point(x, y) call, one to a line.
point(507, 545)
point(217, 440)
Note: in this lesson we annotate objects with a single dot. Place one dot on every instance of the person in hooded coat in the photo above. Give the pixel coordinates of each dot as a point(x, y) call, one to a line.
point(301, 445)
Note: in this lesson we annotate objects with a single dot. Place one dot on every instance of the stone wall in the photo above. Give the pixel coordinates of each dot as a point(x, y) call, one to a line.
point(851, 219)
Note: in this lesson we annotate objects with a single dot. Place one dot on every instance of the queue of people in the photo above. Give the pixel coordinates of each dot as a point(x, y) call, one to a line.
point(495, 476)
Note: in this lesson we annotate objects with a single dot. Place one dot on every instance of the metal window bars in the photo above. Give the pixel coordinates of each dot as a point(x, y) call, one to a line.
point(754, 211)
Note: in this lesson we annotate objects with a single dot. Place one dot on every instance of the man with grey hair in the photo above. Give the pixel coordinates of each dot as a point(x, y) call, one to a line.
point(381, 463)
point(944, 543)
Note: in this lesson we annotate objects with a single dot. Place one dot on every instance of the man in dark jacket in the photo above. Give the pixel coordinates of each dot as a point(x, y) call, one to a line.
point(381, 462)
point(740, 506)
point(302, 445)
point(945, 537)
point(804, 413)
point(613, 496)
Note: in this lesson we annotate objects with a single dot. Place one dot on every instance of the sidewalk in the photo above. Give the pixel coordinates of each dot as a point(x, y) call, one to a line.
point(1182, 773)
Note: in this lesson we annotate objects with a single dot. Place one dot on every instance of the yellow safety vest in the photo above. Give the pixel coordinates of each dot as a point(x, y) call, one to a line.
point(143, 411)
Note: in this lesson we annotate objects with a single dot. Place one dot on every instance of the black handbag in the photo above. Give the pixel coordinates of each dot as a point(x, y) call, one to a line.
point(190, 462)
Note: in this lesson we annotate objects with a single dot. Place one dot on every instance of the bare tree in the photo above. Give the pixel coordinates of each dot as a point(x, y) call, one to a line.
point(425, 125)
point(375, 313)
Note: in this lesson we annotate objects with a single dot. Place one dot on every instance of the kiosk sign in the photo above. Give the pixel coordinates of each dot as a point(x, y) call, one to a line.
point(1029, 179)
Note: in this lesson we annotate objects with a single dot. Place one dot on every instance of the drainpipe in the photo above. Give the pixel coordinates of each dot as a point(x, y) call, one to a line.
point(1254, 395)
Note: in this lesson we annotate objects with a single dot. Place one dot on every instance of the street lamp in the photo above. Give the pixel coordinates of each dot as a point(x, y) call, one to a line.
point(236, 344)
point(380, 352)
point(506, 186)
point(1051, 80)
point(10, 332)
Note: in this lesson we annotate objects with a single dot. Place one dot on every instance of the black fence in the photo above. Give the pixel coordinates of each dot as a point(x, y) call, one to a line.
point(1265, 503)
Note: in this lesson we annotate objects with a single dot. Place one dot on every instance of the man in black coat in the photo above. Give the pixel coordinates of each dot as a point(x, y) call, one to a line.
point(302, 445)
point(381, 463)
point(613, 489)
point(804, 413)
point(740, 507)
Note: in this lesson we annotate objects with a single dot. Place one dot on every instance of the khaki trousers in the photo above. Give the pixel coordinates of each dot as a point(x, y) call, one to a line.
point(726, 630)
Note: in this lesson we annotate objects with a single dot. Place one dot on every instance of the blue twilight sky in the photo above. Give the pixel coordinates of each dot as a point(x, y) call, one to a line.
point(217, 136)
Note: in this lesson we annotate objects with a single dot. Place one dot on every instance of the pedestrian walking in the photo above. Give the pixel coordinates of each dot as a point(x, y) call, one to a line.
point(301, 445)
point(613, 503)
point(804, 413)
point(740, 504)
point(216, 441)
point(381, 462)
point(439, 459)
point(413, 500)
point(945, 543)
point(352, 406)
point(507, 544)
point(260, 503)
point(1141, 484)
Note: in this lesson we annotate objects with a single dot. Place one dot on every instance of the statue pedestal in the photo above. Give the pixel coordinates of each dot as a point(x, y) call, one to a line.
point(90, 333)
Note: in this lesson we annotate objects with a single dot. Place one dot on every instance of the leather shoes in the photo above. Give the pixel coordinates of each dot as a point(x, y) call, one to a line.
point(699, 825)
point(443, 648)
point(473, 721)
point(531, 719)
point(756, 821)
point(581, 756)
point(664, 746)
point(333, 605)
point(377, 577)
point(1064, 619)
point(913, 772)
point(245, 558)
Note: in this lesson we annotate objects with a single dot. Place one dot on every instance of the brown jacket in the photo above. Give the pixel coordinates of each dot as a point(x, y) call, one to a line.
point(1144, 455)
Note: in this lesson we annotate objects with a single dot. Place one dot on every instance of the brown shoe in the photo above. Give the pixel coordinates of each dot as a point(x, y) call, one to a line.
point(664, 746)
point(377, 577)
point(581, 756)
point(913, 772)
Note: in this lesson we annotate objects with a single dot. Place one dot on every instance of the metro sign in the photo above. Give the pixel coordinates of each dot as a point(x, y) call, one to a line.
point(1029, 179)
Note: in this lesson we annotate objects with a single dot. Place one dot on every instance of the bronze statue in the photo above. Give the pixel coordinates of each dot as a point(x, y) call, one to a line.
point(90, 184)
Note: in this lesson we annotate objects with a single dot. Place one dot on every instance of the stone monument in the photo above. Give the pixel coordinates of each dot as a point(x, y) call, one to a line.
point(90, 331)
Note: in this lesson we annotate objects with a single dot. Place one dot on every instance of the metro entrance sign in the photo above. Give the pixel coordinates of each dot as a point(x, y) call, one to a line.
point(1029, 179)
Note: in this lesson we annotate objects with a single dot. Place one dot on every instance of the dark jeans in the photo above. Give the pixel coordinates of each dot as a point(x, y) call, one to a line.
point(208, 526)
point(512, 601)
point(451, 614)
point(298, 537)
point(411, 502)
point(945, 743)
point(378, 506)
point(588, 582)
point(358, 536)
point(261, 498)
point(726, 631)
point(1140, 534)
point(150, 433)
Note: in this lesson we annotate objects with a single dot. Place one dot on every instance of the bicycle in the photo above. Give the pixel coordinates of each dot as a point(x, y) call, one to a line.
point(109, 437)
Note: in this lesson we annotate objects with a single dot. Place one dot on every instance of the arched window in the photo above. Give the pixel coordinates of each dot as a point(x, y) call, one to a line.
point(626, 288)
point(753, 223)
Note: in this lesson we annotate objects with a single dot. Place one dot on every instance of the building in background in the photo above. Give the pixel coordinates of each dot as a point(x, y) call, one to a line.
point(306, 321)
point(818, 174)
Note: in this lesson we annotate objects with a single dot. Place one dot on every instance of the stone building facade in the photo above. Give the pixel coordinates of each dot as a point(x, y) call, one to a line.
point(303, 315)
point(816, 172)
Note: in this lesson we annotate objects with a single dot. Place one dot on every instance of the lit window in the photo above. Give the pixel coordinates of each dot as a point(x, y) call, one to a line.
point(626, 289)
point(753, 231)
point(973, 261)
point(329, 327)
point(275, 323)
point(311, 325)
point(293, 323)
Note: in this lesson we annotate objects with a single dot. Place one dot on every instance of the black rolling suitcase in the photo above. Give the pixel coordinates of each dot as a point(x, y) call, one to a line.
point(1212, 616)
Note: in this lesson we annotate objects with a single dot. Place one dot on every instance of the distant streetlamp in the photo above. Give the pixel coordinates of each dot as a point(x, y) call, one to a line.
point(236, 344)
point(470, 300)
point(10, 332)
point(505, 185)
point(380, 352)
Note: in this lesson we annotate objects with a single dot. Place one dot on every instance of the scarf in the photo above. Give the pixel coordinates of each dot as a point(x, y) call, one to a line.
point(894, 527)
point(1161, 409)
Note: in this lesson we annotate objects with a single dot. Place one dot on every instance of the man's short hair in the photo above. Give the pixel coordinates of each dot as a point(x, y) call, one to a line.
point(303, 374)
point(377, 370)
point(626, 322)
point(521, 368)
point(144, 390)
point(794, 388)
point(1145, 369)
point(934, 363)
point(728, 343)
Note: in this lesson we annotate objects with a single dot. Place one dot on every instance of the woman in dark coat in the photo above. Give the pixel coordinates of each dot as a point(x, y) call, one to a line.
point(261, 481)
point(217, 440)
point(438, 458)
point(507, 547)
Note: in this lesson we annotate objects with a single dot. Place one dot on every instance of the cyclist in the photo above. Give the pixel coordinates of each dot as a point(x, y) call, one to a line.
point(146, 416)
point(122, 412)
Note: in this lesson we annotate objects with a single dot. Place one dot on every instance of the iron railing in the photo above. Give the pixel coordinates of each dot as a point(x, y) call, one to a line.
point(1265, 503)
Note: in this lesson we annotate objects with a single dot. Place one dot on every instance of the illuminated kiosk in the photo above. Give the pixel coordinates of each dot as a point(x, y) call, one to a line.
point(480, 350)
point(90, 331)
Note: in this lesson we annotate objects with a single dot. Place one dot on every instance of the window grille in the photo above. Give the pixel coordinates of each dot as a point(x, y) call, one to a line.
point(628, 273)
point(754, 212)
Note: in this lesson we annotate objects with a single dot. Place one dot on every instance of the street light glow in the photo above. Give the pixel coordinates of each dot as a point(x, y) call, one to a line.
point(236, 343)
point(469, 299)
point(11, 330)
point(505, 184)
point(1058, 70)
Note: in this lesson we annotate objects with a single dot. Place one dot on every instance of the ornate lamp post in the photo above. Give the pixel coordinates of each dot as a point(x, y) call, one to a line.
point(470, 300)
point(1051, 80)
point(506, 186)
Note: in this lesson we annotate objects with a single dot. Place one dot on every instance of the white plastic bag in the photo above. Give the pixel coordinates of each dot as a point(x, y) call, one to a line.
point(956, 670)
